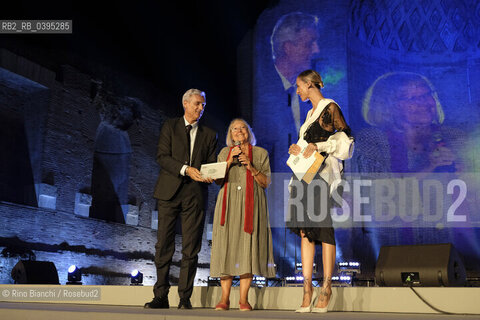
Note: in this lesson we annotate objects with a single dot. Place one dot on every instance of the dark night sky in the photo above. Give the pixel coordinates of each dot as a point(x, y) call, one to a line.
point(174, 46)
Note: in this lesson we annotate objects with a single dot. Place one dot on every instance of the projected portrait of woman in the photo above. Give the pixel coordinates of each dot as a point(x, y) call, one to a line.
point(407, 133)
point(408, 138)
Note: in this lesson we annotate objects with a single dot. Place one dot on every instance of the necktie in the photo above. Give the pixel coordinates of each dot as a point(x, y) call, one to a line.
point(295, 105)
point(189, 144)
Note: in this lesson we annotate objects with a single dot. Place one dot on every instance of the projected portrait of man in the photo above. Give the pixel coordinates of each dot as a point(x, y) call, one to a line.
point(294, 42)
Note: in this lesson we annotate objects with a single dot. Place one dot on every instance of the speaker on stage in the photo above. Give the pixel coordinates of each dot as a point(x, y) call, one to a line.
point(35, 272)
point(430, 265)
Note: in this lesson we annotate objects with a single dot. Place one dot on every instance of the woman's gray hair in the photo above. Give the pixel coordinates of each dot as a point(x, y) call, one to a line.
point(380, 104)
point(190, 92)
point(251, 137)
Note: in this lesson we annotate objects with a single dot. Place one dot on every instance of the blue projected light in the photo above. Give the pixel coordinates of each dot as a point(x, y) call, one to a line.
point(136, 278)
point(410, 96)
point(74, 275)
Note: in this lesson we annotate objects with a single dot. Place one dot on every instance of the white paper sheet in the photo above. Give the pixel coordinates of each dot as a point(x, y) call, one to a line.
point(299, 164)
point(214, 170)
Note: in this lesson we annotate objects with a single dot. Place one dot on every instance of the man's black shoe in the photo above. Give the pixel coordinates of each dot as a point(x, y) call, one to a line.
point(157, 303)
point(185, 303)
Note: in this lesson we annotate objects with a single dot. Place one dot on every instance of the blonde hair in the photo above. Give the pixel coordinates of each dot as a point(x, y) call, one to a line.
point(379, 106)
point(251, 137)
point(312, 76)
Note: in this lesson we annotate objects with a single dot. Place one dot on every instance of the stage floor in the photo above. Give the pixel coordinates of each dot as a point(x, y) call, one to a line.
point(126, 302)
point(48, 311)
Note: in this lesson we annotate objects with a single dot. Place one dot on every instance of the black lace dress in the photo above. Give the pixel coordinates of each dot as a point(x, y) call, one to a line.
point(310, 204)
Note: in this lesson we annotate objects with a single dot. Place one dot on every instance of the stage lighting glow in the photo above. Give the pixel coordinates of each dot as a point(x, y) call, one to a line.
point(349, 266)
point(74, 275)
point(136, 278)
point(342, 278)
point(259, 282)
point(213, 281)
point(293, 281)
point(298, 267)
point(347, 271)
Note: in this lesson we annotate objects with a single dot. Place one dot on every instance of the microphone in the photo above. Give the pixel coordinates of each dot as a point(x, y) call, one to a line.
point(235, 158)
point(440, 142)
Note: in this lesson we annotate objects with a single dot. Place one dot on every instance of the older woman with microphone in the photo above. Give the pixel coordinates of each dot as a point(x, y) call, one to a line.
point(242, 240)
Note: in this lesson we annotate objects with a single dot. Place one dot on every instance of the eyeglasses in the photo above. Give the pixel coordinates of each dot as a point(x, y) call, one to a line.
point(237, 129)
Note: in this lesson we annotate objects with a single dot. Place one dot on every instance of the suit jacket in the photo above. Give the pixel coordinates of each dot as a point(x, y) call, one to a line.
point(172, 154)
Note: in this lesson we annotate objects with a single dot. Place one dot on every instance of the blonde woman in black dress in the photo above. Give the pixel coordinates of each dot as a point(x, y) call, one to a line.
point(325, 131)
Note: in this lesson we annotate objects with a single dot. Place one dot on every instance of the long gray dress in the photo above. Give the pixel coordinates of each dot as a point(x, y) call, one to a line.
point(234, 251)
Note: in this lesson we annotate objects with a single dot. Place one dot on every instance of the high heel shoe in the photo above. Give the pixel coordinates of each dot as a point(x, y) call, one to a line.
point(309, 307)
point(304, 309)
point(323, 293)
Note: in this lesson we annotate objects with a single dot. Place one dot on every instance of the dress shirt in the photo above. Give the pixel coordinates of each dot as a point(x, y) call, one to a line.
point(193, 134)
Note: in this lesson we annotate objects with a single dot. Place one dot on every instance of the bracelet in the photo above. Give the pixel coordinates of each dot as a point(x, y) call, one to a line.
point(256, 174)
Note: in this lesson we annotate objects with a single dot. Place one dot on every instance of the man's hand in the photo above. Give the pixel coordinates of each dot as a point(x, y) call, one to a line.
point(195, 175)
point(208, 180)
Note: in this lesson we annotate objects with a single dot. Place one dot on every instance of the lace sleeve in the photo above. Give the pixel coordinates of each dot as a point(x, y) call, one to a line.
point(339, 123)
point(339, 146)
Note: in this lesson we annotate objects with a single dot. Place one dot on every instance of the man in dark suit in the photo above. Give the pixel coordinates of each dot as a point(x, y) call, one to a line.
point(183, 147)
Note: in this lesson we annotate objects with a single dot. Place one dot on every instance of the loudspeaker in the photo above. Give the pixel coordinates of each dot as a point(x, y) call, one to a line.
point(430, 265)
point(35, 272)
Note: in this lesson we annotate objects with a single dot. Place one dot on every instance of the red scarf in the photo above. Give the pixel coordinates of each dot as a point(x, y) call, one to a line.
point(248, 223)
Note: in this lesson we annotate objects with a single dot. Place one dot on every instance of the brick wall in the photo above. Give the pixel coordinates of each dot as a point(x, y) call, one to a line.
point(108, 251)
